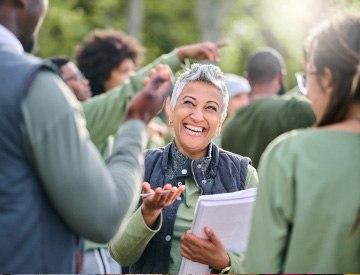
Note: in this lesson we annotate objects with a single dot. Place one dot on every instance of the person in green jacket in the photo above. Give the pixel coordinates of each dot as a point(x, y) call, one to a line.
point(104, 114)
point(270, 112)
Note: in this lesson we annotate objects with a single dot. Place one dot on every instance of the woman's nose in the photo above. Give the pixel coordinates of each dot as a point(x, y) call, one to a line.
point(197, 115)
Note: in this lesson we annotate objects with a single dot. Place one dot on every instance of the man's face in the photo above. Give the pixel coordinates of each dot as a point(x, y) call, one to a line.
point(30, 20)
point(76, 81)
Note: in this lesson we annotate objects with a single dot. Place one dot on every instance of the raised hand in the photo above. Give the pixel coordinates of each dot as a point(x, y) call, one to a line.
point(149, 102)
point(203, 51)
point(206, 251)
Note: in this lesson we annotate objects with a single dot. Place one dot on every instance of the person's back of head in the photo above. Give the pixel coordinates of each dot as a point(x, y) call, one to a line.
point(102, 53)
point(333, 49)
point(265, 72)
point(253, 127)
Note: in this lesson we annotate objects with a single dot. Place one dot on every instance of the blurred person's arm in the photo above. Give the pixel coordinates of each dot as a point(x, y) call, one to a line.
point(92, 199)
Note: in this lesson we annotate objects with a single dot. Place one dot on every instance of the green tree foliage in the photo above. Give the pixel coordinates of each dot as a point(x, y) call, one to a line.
point(169, 25)
point(68, 22)
point(248, 25)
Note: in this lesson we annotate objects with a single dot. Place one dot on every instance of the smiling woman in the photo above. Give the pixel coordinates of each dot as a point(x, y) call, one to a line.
point(154, 240)
point(197, 111)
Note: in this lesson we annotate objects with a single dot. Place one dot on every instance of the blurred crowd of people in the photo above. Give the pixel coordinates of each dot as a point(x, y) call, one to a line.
point(80, 140)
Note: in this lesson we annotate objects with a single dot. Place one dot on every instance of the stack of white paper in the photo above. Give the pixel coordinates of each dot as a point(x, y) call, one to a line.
point(229, 215)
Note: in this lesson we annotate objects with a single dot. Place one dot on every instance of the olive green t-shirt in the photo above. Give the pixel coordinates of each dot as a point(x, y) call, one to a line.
point(251, 128)
point(307, 203)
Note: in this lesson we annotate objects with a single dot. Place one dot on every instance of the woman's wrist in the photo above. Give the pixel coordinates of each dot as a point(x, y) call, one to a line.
point(222, 267)
point(150, 215)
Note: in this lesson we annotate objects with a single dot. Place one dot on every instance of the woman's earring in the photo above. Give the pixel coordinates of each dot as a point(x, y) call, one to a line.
point(218, 132)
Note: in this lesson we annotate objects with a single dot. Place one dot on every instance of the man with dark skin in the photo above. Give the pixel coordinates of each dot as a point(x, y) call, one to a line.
point(50, 196)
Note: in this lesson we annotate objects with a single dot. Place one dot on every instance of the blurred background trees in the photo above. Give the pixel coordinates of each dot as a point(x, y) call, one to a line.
point(163, 25)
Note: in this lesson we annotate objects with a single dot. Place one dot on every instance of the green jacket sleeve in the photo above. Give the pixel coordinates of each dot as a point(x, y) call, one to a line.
point(104, 113)
point(90, 197)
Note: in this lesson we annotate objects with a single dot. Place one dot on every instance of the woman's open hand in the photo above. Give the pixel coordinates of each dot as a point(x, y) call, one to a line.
point(153, 204)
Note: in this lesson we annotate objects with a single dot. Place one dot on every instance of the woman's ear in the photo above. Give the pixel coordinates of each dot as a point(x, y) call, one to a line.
point(169, 111)
point(218, 130)
point(326, 80)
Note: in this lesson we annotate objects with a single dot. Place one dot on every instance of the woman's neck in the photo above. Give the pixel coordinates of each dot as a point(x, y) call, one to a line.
point(192, 155)
point(352, 124)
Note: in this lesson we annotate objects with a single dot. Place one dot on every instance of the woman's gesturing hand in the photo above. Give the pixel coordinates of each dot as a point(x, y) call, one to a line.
point(156, 200)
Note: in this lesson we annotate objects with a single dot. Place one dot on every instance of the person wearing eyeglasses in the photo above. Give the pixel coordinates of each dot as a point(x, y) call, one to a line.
point(73, 77)
point(307, 212)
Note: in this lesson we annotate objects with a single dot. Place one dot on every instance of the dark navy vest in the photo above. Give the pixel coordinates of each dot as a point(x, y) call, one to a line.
point(226, 173)
point(33, 237)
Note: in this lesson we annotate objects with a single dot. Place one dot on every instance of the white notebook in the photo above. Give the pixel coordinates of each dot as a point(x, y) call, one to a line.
point(229, 215)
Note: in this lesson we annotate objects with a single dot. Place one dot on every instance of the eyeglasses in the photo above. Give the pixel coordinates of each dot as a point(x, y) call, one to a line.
point(301, 80)
point(78, 77)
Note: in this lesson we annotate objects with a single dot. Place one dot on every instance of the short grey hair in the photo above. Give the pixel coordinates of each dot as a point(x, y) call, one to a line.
point(207, 73)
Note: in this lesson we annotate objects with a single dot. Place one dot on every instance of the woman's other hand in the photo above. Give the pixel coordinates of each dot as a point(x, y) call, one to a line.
point(206, 251)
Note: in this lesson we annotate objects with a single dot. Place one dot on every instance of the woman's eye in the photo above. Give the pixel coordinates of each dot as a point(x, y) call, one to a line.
point(189, 103)
point(211, 108)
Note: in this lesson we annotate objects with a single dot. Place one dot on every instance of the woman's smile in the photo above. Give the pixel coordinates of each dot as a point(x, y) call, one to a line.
point(194, 130)
point(196, 118)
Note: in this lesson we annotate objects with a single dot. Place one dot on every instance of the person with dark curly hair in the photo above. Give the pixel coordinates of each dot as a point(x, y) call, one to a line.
point(108, 58)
